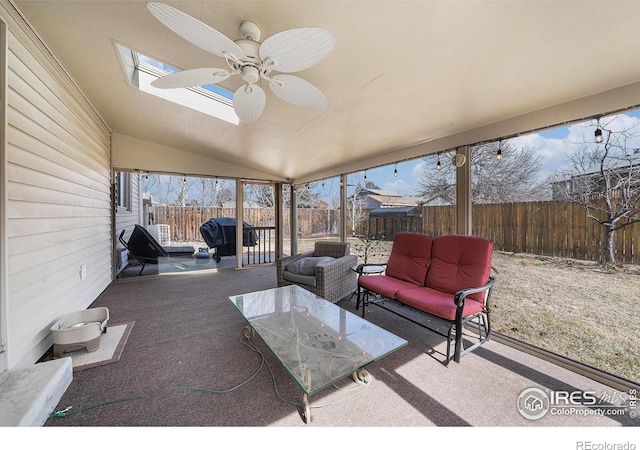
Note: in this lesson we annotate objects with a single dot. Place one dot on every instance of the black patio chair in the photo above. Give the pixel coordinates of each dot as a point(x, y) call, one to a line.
point(145, 249)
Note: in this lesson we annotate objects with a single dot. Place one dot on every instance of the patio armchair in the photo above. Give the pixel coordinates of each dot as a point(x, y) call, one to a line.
point(326, 271)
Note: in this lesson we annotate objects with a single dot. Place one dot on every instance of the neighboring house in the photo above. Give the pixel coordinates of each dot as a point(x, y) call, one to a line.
point(377, 198)
point(593, 181)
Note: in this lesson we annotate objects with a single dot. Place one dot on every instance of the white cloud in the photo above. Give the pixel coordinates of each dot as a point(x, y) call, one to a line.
point(400, 186)
point(418, 170)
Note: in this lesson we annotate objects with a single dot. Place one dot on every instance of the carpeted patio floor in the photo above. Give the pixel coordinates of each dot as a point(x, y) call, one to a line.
point(186, 349)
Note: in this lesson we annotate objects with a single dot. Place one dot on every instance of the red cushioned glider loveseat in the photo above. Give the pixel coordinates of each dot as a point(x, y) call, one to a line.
point(448, 277)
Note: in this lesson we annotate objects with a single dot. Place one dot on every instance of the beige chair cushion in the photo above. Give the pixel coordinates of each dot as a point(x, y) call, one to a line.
point(307, 280)
point(306, 266)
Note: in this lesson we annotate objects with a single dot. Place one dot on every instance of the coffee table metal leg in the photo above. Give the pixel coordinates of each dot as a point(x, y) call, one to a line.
point(306, 409)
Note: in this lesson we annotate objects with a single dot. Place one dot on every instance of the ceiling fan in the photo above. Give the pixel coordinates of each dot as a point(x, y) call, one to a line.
point(287, 51)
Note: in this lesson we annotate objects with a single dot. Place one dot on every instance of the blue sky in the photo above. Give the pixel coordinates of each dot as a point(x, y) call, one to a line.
point(552, 144)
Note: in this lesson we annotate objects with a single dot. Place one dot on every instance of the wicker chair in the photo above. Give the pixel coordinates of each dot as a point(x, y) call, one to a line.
point(326, 271)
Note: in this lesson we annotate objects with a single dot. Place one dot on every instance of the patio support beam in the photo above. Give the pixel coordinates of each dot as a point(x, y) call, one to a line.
point(4, 258)
point(294, 220)
point(239, 221)
point(343, 208)
point(463, 193)
point(278, 219)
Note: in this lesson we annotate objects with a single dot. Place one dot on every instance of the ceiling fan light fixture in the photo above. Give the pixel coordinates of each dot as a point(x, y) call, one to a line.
point(250, 74)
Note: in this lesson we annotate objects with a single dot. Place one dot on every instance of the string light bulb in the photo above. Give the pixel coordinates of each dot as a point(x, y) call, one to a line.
point(438, 165)
point(395, 170)
point(499, 153)
point(365, 176)
point(598, 133)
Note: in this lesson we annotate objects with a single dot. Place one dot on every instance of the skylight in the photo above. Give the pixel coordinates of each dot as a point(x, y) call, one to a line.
point(212, 100)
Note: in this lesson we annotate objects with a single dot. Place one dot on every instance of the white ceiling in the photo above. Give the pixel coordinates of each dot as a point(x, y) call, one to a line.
point(402, 74)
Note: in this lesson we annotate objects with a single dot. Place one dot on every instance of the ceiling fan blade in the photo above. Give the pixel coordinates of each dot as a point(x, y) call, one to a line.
point(249, 102)
point(299, 92)
point(192, 77)
point(297, 49)
point(194, 31)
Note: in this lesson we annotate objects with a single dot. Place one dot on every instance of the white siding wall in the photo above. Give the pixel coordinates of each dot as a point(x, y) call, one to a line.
point(58, 198)
point(126, 219)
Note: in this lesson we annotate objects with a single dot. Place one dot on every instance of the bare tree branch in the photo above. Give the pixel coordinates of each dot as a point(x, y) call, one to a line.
point(605, 180)
point(513, 178)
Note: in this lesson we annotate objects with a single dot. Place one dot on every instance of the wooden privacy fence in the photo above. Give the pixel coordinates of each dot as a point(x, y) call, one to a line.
point(555, 228)
point(184, 221)
point(390, 225)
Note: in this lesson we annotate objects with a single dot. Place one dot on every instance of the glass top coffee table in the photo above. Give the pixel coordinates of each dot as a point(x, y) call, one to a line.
point(317, 342)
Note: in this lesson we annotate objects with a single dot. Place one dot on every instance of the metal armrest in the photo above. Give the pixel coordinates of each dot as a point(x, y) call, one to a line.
point(361, 266)
point(463, 293)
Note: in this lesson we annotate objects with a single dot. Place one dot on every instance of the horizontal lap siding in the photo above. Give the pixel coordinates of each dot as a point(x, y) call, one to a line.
point(127, 220)
point(59, 199)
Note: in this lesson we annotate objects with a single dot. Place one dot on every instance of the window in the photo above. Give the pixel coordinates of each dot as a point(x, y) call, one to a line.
point(123, 191)
point(142, 70)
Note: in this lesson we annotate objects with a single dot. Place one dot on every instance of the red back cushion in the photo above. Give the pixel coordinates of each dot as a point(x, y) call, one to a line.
point(410, 256)
point(459, 262)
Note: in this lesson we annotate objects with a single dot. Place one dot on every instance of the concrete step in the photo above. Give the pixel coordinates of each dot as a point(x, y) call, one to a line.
point(29, 395)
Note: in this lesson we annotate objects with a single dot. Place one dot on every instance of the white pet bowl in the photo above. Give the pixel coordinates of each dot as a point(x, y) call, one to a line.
point(80, 329)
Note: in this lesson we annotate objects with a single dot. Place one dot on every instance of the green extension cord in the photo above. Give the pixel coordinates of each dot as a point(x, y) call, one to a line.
point(246, 341)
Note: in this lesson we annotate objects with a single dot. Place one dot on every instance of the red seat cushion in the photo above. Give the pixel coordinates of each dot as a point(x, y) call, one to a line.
point(435, 302)
point(384, 285)
point(410, 256)
point(459, 262)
